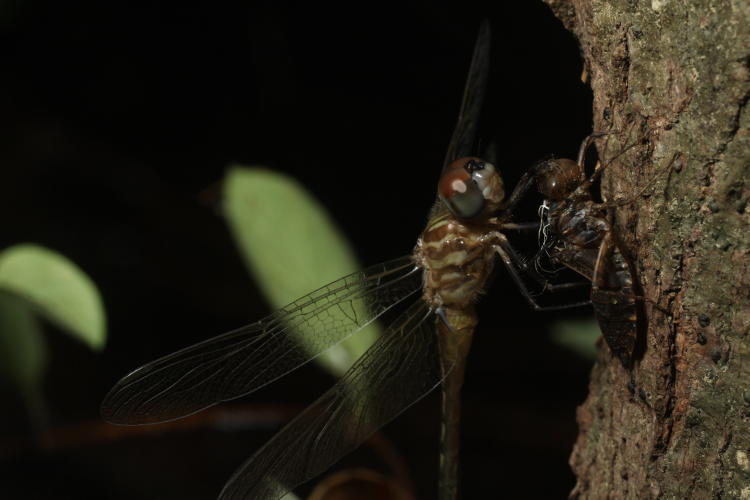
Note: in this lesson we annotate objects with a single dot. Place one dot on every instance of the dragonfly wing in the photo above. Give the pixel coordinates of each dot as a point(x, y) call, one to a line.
point(398, 370)
point(463, 141)
point(244, 360)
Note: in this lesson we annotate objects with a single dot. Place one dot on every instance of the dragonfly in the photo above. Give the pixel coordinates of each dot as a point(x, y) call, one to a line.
point(424, 347)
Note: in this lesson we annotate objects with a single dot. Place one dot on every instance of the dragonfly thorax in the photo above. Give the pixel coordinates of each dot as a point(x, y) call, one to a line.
point(456, 258)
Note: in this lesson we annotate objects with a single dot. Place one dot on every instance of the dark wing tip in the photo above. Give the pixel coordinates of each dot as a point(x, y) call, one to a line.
point(464, 135)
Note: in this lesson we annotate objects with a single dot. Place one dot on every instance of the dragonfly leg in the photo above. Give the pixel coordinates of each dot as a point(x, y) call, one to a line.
point(640, 193)
point(510, 265)
point(561, 287)
point(526, 181)
point(518, 226)
point(523, 266)
point(599, 169)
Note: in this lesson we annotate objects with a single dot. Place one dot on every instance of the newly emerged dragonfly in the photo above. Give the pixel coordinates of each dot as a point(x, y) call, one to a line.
point(424, 346)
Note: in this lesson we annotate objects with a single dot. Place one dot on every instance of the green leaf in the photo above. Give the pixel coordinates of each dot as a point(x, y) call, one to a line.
point(291, 246)
point(23, 352)
point(579, 336)
point(57, 289)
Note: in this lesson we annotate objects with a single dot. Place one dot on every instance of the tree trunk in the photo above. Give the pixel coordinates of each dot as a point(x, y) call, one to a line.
point(671, 80)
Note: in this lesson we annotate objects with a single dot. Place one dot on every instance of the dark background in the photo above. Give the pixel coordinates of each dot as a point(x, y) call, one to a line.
point(118, 120)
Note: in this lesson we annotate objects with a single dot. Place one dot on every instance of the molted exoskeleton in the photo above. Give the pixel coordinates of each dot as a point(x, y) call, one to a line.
point(558, 178)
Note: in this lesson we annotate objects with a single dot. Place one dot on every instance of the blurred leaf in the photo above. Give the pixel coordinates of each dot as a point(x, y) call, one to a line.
point(57, 289)
point(23, 352)
point(291, 246)
point(579, 336)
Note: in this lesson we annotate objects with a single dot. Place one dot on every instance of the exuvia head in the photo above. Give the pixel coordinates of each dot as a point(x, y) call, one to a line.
point(557, 178)
point(470, 187)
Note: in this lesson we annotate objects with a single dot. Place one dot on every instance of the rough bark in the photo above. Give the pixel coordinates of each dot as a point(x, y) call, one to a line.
point(677, 75)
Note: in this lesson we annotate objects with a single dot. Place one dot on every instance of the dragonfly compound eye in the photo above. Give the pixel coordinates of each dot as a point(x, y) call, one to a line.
point(468, 185)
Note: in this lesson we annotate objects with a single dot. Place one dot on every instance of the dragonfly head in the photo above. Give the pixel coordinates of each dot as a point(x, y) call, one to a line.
point(558, 178)
point(471, 187)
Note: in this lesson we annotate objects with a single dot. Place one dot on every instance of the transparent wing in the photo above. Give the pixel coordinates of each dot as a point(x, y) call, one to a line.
point(244, 360)
point(464, 135)
point(398, 370)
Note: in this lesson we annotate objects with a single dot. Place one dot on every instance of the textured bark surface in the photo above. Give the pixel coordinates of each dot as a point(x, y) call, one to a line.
point(677, 75)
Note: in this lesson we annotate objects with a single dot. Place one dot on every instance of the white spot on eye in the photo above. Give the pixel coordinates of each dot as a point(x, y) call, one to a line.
point(458, 186)
point(484, 174)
